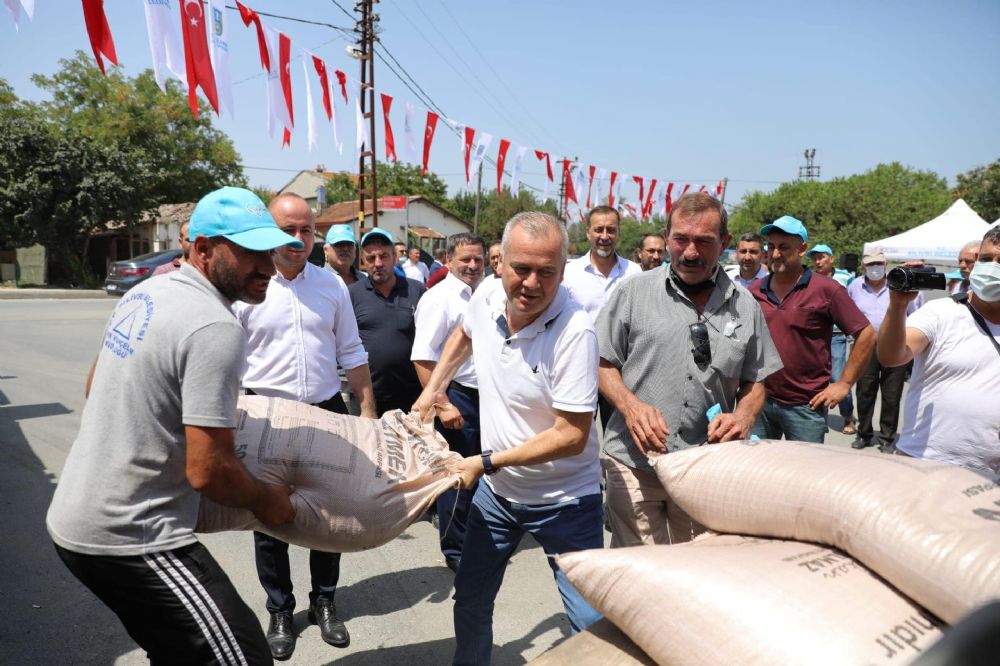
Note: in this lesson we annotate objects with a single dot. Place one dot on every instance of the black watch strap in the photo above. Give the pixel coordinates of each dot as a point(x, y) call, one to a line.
point(488, 467)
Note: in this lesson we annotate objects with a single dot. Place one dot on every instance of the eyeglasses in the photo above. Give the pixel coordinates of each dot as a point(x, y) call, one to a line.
point(702, 349)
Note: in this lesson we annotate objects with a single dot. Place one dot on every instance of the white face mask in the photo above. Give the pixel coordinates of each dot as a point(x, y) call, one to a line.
point(875, 273)
point(984, 280)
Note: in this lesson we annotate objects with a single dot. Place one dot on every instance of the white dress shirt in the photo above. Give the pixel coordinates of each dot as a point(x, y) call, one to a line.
point(440, 310)
point(590, 287)
point(298, 335)
point(416, 271)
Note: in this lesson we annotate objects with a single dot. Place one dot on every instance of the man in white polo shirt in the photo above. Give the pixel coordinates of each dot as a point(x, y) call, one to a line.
point(440, 310)
point(536, 360)
point(590, 279)
point(295, 340)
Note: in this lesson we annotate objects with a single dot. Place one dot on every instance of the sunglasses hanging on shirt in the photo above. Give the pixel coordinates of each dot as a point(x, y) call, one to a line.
point(702, 351)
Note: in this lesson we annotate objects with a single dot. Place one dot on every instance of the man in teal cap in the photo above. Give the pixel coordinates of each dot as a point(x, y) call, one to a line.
point(341, 251)
point(158, 433)
point(801, 308)
point(823, 263)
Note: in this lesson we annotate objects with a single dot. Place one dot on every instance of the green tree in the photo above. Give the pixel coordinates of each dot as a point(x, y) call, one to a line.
point(496, 210)
point(186, 156)
point(845, 213)
point(980, 187)
point(393, 179)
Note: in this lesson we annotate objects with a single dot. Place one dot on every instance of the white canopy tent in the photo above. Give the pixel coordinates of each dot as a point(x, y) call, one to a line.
point(936, 241)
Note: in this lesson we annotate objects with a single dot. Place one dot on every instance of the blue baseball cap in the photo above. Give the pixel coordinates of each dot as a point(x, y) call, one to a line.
point(820, 249)
point(238, 215)
point(340, 233)
point(377, 232)
point(788, 225)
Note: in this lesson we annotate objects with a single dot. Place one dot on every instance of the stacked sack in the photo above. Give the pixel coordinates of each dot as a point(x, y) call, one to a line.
point(895, 546)
point(359, 482)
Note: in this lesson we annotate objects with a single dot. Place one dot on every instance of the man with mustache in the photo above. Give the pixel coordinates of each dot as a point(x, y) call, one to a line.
point(296, 339)
point(341, 251)
point(651, 250)
point(684, 352)
point(158, 432)
point(801, 308)
point(384, 305)
point(592, 278)
point(438, 313)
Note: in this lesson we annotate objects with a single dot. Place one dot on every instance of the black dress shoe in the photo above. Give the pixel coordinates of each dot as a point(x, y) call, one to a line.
point(324, 613)
point(452, 563)
point(281, 636)
point(860, 443)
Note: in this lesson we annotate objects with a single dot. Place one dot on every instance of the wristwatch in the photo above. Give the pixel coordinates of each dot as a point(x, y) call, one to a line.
point(488, 467)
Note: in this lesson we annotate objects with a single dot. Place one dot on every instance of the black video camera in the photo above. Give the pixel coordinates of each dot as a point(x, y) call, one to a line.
point(906, 278)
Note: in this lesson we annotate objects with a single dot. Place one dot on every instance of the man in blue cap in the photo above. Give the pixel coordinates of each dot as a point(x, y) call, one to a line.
point(801, 309)
point(823, 263)
point(341, 251)
point(158, 432)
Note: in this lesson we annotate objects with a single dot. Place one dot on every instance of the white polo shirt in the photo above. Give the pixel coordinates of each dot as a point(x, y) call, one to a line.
point(952, 412)
point(439, 311)
point(551, 364)
point(298, 335)
point(589, 287)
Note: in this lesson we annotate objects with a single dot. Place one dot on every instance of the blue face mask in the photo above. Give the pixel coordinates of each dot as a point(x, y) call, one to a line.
point(984, 280)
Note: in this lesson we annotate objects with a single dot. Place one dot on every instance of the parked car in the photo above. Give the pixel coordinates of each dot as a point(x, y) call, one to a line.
point(127, 273)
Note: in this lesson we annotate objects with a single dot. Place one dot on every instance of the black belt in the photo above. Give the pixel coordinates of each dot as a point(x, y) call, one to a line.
point(467, 390)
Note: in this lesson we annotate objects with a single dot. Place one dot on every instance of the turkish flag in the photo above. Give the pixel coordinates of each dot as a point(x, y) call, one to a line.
point(284, 57)
point(611, 189)
point(669, 202)
point(390, 141)
point(647, 208)
point(539, 154)
point(320, 66)
point(642, 189)
point(501, 160)
point(248, 15)
point(590, 184)
point(342, 80)
point(432, 121)
point(99, 32)
point(196, 56)
point(470, 134)
point(568, 181)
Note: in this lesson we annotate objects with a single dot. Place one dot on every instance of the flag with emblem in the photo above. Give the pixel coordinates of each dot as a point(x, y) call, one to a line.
point(196, 57)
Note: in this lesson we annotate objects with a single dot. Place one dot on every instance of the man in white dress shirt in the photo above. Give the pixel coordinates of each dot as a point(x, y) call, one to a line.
point(440, 310)
point(414, 268)
point(295, 340)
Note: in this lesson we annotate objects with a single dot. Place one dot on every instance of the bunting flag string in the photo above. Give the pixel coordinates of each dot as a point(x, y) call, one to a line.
point(515, 172)
point(199, 64)
point(164, 44)
point(207, 48)
point(390, 141)
point(219, 50)
point(501, 160)
point(99, 32)
point(429, 128)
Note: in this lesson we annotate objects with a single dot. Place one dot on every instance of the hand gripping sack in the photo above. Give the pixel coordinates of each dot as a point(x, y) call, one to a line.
point(359, 482)
point(725, 599)
point(931, 529)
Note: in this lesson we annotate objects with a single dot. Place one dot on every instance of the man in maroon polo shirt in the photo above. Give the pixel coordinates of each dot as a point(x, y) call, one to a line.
point(801, 308)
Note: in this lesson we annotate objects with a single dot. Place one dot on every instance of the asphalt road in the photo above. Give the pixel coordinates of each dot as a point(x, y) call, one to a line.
point(396, 599)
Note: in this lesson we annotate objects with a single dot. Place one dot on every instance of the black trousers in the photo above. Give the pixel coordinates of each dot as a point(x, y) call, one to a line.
point(890, 380)
point(178, 605)
point(453, 505)
point(271, 556)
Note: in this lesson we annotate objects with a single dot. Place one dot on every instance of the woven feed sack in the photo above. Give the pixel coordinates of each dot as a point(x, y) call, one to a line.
point(600, 644)
point(359, 482)
point(931, 529)
point(725, 599)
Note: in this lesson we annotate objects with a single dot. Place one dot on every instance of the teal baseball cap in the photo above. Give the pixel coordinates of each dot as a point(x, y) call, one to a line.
point(238, 215)
point(340, 233)
point(786, 224)
point(820, 249)
point(377, 233)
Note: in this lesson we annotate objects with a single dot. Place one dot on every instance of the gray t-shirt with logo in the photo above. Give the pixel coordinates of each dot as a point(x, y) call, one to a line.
point(171, 356)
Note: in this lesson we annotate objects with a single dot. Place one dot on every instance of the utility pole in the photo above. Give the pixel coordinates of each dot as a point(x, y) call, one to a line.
point(810, 171)
point(367, 181)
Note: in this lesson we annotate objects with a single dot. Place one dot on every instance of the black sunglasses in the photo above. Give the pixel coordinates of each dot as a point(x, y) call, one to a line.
point(702, 349)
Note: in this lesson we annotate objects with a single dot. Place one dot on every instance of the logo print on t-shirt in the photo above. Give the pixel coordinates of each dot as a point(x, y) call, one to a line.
point(128, 324)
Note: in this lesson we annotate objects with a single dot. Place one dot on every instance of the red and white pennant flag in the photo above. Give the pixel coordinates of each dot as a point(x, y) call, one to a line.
point(196, 58)
point(99, 32)
point(15, 7)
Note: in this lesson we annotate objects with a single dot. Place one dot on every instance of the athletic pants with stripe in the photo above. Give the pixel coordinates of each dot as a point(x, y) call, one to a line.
point(178, 605)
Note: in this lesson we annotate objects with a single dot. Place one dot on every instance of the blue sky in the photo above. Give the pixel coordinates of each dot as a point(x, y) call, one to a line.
point(686, 92)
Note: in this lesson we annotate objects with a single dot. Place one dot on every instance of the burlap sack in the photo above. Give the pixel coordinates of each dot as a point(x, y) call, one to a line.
point(358, 482)
point(931, 529)
point(600, 644)
point(723, 600)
